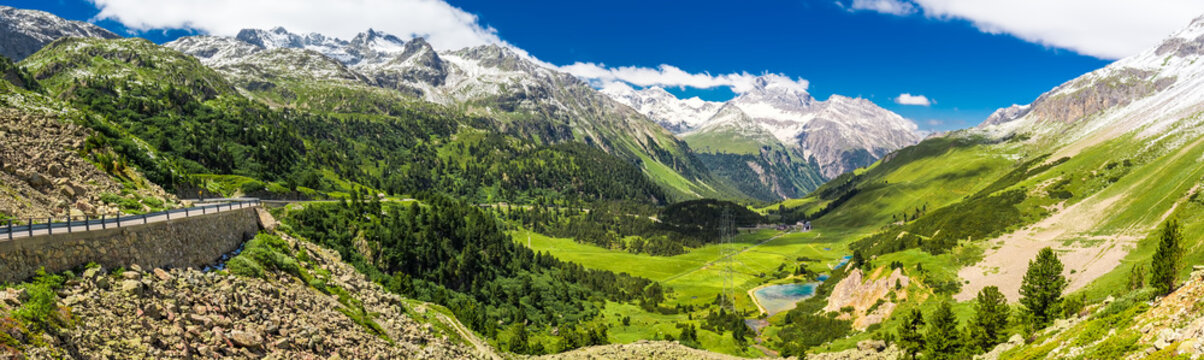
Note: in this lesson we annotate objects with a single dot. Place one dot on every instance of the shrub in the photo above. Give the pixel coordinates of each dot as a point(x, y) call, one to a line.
point(251, 187)
point(41, 309)
point(244, 266)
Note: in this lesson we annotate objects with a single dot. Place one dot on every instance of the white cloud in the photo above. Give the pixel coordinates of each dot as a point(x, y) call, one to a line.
point(445, 26)
point(1107, 29)
point(671, 76)
point(893, 7)
point(909, 99)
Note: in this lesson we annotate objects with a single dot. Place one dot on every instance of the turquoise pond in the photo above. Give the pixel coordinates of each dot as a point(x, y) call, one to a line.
point(779, 298)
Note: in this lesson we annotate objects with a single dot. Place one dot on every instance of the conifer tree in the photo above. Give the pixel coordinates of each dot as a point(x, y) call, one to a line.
point(941, 339)
point(1041, 291)
point(1164, 267)
point(989, 326)
point(1137, 277)
point(909, 337)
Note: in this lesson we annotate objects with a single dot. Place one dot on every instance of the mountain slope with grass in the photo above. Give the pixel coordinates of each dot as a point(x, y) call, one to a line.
point(518, 95)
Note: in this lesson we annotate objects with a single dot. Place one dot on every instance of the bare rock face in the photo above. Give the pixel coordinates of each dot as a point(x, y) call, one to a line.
point(1094, 95)
point(42, 173)
point(868, 296)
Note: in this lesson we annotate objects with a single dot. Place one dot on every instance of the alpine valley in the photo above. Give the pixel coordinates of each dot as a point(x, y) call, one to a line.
point(418, 202)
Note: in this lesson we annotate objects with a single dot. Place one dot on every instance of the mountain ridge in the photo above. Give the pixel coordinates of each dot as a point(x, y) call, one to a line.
point(24, 32)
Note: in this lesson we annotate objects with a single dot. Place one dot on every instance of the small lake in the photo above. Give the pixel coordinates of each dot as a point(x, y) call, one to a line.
point(779, 298)
point(843, 261)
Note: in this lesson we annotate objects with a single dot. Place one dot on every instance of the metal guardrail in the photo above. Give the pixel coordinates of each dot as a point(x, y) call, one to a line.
point(10, 228)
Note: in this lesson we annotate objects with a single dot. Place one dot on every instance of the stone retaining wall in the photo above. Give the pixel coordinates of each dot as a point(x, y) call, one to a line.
point(189, 242)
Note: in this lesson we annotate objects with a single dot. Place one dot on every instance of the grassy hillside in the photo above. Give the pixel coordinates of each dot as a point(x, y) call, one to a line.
point(172, 118)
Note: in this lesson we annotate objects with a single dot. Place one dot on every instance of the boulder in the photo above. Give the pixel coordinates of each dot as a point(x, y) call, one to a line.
point(162, 274)
point(133, 287)
point(245, 339)
point(874, 345)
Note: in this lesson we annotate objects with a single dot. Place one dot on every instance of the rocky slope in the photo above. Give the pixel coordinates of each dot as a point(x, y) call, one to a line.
point(42, 173)
point(186, 313)
point(23, 32)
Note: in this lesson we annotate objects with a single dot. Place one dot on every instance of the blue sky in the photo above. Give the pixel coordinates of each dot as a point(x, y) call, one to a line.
point(877, 56)
point(967, 60)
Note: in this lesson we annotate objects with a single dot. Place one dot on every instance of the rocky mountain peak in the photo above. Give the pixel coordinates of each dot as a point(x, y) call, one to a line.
point(24, 32)
point(1003, 115)
point(676, 115)
point(418, 47)
point(277, 37)
point(377, 40)
point(775, 91)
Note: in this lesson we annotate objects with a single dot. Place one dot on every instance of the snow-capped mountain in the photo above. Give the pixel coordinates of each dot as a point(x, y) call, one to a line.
point(677, 115)
point(24, 32)
point(1153, 94)
point(839, 134)
point(495, 81)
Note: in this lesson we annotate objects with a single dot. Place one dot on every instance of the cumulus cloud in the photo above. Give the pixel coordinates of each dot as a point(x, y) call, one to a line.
point(672, 76)
point(909, 99)
point(446, 26)
point(1107, 29)
point(893, 7)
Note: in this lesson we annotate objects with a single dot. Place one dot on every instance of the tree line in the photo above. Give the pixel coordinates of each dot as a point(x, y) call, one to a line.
point(453, 253)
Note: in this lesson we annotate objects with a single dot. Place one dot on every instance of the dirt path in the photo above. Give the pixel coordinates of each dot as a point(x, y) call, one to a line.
point(1067, 232)
point(482, 347)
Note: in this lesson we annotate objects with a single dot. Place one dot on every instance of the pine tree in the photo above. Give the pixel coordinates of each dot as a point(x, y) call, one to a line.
point(1137, 277)
point(909, 337)
point(858, 259)
point(739, 331)
point(1164, 267)
point(989, 326)
point(1041, 291)
point(942, 340)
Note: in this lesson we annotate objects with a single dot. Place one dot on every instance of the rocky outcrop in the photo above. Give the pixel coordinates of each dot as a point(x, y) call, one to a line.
point(869, 297)
point(186, 314)
point(1007, 114)
point(1092, 95)
point(42, 173)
